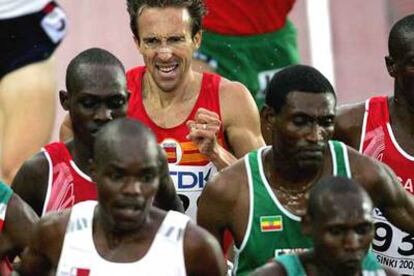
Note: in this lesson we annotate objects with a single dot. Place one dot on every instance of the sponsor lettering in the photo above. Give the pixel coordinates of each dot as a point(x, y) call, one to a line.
point(407, 184)
point(190, 180)
point(289, 251)
point(401, 265)
point(387, 261)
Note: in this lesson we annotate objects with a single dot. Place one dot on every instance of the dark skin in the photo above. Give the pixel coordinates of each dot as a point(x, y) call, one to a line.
point(342, 236)
point(18, 227)
point(300, 134)
point(101, 97)
point(401, 105)
point(119, 234)
point(276, 269)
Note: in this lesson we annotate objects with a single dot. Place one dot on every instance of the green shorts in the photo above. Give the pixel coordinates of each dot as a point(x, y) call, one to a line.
point(251, 60)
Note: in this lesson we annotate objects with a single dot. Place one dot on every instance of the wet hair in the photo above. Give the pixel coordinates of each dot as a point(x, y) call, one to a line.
point(396, 39)
point(301, 78)
point(120, 130)
point(332, 185)
point(196, 9)
point(90, 56)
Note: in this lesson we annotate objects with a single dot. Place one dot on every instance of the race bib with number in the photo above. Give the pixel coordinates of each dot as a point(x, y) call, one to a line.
point(393, 247)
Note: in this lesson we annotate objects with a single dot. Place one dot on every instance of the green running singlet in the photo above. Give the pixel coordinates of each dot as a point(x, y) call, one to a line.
point(272, 230)
point(294, 266)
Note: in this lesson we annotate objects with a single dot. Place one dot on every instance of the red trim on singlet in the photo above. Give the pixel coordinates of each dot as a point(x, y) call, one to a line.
point(246, 17)
point(68, 184)
point(379, 141)
point(208, 98)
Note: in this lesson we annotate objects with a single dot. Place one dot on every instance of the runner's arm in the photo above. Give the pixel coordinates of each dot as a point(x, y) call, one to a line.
point(386, 191)
point(31, 182)
point(214, 207)
point(202, 253)
point(241, 119)
point(270, 269)
point(348, 124)
point(18, 226)
point(42, 255)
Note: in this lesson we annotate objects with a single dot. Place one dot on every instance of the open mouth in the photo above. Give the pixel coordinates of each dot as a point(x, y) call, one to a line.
point(167, 70)
point(127, 212)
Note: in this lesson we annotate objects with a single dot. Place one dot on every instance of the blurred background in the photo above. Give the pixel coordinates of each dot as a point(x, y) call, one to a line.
point(346, 40)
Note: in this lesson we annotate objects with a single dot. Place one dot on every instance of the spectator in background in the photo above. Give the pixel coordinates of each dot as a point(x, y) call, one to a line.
point(247, 41)
point(30, 31)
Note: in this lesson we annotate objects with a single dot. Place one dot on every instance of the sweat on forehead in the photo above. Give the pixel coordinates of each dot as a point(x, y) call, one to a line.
point(195, 8)
point(93, 56)
point(300, 78)
point(124, 132)
point(333, 188)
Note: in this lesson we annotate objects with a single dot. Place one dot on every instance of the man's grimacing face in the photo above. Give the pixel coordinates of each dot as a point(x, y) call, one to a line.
point(166, 44)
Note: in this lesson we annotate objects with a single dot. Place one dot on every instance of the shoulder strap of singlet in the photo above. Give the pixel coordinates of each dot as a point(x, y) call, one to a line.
point(211, 82)
point(292, 265)
point(5, 195)
point(340, 160)
point(55, 153)
point(173, 226)
point(81, 215)
point(252, 171)
point(134, 78)
point(379, 107)
point(58, 152)
point(376, 114)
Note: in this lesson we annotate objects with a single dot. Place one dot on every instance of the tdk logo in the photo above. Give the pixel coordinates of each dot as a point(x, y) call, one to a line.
point(190, 180)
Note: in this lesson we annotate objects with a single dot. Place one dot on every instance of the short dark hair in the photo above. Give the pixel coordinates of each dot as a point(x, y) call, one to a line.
point(301, 78)
point(398, 31)
point(331, 185)
point(121, 128)
point(196, 9)
point(96, 56)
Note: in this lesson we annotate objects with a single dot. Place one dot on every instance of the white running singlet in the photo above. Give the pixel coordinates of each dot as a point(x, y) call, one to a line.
point(80, 257)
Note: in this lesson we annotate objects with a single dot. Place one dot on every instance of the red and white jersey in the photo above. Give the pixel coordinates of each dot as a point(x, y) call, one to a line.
point(67, 184)
point(189, 168)
point(394, 248)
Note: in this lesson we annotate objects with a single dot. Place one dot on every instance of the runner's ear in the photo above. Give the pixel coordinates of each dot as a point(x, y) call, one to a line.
point(197, 39)
point(64, 99)
point(390, 63)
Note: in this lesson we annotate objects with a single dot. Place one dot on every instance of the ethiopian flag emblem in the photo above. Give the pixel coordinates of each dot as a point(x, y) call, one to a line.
point(271, 223)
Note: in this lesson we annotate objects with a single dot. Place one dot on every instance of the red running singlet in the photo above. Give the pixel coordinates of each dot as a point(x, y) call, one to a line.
point(393, 247)
point(189, 169)
point(67, 184)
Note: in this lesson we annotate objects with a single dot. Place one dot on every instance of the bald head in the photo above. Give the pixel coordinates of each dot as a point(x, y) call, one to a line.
point(400, 34)
point(335, 192)
point(124, 137)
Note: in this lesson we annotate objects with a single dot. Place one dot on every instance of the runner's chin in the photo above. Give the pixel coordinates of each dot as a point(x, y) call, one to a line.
point(310, 159)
